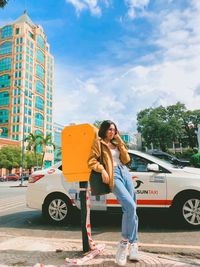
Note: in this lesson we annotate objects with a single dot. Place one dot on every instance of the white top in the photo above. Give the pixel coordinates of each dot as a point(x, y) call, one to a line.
point(115, 155)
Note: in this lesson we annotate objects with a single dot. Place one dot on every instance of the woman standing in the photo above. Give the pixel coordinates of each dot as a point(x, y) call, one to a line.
point(116, 174)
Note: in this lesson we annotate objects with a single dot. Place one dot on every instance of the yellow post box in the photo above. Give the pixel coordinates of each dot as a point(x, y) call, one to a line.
point(76, 145)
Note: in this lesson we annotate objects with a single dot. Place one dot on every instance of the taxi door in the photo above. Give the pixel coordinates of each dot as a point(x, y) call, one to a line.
point(151, 187)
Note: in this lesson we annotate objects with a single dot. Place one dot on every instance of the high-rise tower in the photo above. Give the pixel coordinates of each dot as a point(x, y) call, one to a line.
point(26, 80)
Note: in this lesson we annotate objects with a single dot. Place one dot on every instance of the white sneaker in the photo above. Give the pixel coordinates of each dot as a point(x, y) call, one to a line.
point(133, 252)
point(121, 255)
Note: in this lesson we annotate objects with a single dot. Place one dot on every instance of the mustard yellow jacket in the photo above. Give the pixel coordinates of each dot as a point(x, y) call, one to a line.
point(94, 158)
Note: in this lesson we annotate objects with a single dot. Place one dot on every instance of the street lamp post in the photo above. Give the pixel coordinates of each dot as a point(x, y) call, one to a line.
point(23, 132)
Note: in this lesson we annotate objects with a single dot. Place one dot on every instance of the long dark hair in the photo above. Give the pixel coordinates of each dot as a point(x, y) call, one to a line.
point(105, 125)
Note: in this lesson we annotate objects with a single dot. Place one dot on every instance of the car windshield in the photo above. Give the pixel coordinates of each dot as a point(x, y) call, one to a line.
point(165, 161)
point(154, 159)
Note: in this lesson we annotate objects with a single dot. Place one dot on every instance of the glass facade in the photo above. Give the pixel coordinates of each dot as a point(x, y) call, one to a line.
point(38, 132)
point(40, 71)
point(4, 114)
point(6, 32)
point(39, 87)
point(40, 41)
point(4, 133)
point(5, 64)
point(39, 103)
point(4, 98)
point(40, 56)
point(4, 81)
point(6, 48)
point(39, 120)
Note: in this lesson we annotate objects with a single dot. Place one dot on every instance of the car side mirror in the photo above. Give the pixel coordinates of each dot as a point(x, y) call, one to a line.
point(153, 167)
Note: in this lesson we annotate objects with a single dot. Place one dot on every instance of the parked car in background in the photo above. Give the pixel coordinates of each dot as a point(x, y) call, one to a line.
point(158, 184)
point(169, 158)
point(11, 177)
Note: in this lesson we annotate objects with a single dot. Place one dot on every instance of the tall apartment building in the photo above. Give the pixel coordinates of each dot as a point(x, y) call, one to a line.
point(26, 80)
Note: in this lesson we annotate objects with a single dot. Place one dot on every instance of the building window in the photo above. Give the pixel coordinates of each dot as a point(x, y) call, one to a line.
point(4, 132)
point(16, 119)
point(6, 48)
point(18, 74)
point(18, 82)
point(4, 98)
point(17, 92)
point(19, 57)
point(30, 34)
point(6, 32)
point(5, 64)
point(15, 128)
point(40, 56)
point(40, 71)
point(19, 40)
point(16, 110)
point(40, 41)
point(4, 116)
point(39, 120)
point(18, 65)
point(16, 100)
point(39, 103)
point(39, 87)
point(17, 31)
point(4, 81)
point(38, 132)
point(15, 136)
point(19, 49)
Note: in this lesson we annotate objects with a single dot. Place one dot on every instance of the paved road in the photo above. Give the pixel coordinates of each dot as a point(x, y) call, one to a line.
point(157, 232)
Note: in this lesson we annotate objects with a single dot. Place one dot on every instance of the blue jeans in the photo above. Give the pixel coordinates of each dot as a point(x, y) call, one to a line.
point(126, 195)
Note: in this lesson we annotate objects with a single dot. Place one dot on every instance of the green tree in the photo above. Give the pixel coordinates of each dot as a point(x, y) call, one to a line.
point(34, 141)
point(30, 160)
point(46, 142)
point(161, 126)
point(3, 3)
point(190, 136)
point(97, 123)
point(10, 157)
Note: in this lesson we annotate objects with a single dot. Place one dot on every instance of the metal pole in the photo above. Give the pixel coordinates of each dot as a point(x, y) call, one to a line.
point(85, 240)
point(23, 132)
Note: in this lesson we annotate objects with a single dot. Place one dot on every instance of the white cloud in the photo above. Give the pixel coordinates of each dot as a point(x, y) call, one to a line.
point(134, 6)
point(95, 6)
point(119, 92)
point(92, 5)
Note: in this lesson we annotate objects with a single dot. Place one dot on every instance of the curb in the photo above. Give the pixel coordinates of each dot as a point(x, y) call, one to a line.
point(32, 251)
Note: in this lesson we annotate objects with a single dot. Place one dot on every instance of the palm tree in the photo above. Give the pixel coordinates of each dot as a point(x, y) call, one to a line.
point(44, 142)
point(3, 3)
point(34, 140)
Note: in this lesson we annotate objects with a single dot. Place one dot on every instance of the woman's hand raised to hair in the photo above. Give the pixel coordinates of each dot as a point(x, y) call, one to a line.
point(117, 137)
point(105, 177)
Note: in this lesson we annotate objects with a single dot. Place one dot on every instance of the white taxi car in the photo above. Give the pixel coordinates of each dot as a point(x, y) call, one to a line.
point(157, 183)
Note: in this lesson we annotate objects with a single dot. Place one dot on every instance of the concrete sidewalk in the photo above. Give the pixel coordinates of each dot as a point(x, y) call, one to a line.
point(39, 252)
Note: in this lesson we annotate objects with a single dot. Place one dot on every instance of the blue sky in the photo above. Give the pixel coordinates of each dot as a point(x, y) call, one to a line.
point(114, 58)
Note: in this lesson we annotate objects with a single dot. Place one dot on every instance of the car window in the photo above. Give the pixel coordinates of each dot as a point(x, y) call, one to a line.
point(60, 168)
point(139, 164)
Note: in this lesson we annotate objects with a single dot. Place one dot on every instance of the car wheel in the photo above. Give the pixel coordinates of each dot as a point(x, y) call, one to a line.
point(57, 209)
point(188, 209)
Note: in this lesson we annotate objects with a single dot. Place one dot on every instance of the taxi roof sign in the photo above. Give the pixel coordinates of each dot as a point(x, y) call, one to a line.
point(76, 145)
